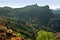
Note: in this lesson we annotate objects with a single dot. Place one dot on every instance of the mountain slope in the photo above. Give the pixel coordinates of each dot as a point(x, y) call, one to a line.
point(28, 20)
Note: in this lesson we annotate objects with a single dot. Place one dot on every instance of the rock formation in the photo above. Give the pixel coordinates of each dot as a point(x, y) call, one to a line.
point(5, 33)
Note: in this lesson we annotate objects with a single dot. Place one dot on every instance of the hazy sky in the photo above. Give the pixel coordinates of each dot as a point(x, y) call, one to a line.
point(21, 3)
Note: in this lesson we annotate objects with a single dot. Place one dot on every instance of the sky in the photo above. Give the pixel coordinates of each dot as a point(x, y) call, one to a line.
point(21, 3)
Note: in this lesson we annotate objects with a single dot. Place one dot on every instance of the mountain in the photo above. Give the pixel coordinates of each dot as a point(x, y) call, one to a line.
point(56, 12)
point(28, 20)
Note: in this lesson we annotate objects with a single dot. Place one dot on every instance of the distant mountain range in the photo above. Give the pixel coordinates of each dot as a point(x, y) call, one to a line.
point(57, 12)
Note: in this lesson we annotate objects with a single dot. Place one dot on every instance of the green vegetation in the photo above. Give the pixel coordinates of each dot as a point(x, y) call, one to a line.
point(18, 34)
point(44, 35)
